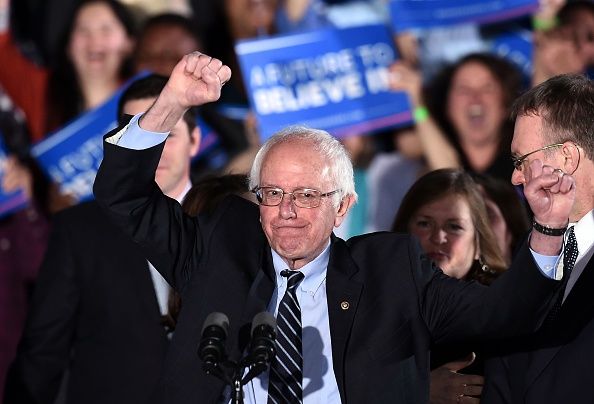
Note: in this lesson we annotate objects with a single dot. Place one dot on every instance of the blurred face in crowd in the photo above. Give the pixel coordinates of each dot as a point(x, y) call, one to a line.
point(250, 18)
point(583, 25)
point(162, 46)
point(99, 42)
point(298, 234)
point(475, 105)
point(447, 234)
point(173, 172)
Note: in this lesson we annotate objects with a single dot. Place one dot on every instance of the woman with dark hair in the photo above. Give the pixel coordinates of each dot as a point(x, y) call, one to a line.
point(93, 62)
point(446, 210)
point(470, 101)
point(462, 118)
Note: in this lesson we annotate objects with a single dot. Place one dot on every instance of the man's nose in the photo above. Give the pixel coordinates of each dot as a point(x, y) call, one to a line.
point(517, 177)
point(287, 206)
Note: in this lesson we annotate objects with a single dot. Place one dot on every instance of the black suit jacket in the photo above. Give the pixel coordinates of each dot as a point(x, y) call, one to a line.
point(95, 313)
point(397, 301)
point(556, 364)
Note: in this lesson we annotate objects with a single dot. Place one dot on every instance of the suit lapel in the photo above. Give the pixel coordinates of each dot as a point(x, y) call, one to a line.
point(343, 295)
point(258, 296)
point(576, 312)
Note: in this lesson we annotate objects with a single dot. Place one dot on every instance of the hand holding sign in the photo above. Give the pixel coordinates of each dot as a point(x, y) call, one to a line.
point(13, 178)
point(405, 78)
point(196, 80)
point(16, 176)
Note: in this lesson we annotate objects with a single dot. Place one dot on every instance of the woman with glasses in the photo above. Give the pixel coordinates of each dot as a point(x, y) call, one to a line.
point(445, 209)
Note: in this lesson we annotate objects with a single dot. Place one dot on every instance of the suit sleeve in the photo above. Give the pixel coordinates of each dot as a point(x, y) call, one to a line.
point(44, 349)
point(125, 188)
point(515, 304)
point(497, 389)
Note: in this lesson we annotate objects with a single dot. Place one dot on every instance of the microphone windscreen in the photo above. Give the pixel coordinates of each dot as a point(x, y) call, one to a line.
point(216, 319)
point(264, 318)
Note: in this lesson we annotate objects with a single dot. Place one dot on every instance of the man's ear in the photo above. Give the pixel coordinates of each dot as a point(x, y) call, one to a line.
point(343, 208)
point(572, 155)
point(195, 138)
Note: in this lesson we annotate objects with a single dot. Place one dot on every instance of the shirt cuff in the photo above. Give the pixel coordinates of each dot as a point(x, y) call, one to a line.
point(547, 264)
point(132, 136)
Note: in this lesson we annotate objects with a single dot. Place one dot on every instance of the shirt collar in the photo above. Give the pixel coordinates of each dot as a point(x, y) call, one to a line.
point(314, 271)
point(583, 232)
point(180, 197)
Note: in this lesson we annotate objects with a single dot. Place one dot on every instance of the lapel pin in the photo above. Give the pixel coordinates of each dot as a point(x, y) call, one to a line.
point(345, 305)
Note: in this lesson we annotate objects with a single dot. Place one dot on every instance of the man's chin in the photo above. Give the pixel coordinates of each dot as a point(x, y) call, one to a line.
point(289, 251)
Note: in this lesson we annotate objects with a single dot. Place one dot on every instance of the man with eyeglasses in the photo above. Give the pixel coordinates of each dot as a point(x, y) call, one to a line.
point(555, 126)
point(355, 319)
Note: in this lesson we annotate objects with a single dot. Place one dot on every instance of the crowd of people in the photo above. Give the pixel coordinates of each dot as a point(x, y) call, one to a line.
point(464, 275)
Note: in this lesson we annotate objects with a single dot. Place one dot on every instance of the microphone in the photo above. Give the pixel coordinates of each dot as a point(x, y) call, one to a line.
point(212, 343)
point(262, 348)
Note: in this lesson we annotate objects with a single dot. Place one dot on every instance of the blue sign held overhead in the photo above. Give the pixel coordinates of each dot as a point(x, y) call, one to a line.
point(414, 14)
point(71, 156)
point(517, 47)
point(332, 79)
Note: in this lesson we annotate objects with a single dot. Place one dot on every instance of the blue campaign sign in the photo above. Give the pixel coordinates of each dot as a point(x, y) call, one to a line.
point(332, 79)
point(208, 137)
point(412, 14)
point(517, 47)
point(9, 201)
point(71, 155)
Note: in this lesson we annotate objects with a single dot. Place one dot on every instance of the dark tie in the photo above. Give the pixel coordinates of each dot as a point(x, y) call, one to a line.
point(286, 374)
point(570, 254)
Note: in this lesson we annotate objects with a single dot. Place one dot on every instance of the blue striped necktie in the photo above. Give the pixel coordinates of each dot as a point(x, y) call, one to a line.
point(286, 369)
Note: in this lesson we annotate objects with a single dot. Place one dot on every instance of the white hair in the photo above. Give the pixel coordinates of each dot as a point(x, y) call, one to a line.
point(339, 169)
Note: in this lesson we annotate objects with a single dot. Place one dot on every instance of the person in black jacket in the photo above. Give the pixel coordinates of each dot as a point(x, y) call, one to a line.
point(100, 309)
point(369, 307)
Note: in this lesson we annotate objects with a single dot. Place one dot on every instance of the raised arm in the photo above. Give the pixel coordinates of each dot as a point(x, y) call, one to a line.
point(437, 150)
point(125, 185)
point(518, 301)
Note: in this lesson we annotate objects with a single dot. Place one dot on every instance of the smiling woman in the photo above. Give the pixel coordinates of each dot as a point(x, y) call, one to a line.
point(470, 100)
point(91, 64)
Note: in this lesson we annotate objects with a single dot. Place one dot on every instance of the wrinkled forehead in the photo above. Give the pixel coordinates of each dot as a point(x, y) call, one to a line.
point(297, 162)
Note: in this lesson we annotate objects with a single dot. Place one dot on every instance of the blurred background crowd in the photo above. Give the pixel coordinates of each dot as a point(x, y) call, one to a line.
point(445, 178)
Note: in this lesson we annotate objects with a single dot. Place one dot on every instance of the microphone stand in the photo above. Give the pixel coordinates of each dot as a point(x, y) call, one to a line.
point(231, 373)
point(261, 351)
